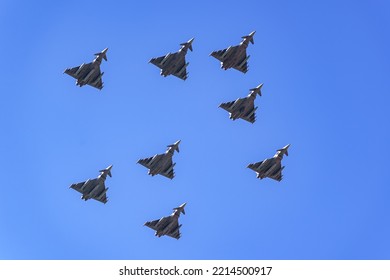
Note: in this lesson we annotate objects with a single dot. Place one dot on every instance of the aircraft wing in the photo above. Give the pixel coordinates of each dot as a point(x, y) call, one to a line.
point(169, 172)
point(250, 117)
point(221, 55)
point(182, 76)
point(176, 233)
point(152, 224)
point(227, 106)
point(158, 61)
point(78, 71)
point(182, 71)
point(244, 67)
point(102, 199)
point(162, 223)
point(146, 162)
point(277, 175)
point(77, 186)
point(97, 83)
point(254, 166)
point(102, 196)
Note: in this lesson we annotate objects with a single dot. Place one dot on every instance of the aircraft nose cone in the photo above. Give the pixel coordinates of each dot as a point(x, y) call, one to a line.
point(183, 205)
point(105, 50)
point(252, 33)
point(191, 40)
point(109, 168)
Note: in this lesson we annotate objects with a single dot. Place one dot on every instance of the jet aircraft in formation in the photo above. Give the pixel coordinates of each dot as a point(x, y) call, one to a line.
point(235, 57)
point(243, 107)
point(174, 63)
point(89, 74)
point(162, 163)
point(168, 225)
point(94, 188)
point(271, 167)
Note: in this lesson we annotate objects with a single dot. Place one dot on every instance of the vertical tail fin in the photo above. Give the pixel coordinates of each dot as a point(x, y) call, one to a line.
point(181, 208)
point(257, 89)
point(250, 37)
point(284, 150)
point(175, 146)
point(188, 44)
point(107, 171)
point(102, 54)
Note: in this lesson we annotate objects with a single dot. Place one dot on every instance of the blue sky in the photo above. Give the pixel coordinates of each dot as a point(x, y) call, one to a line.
point(325, 69)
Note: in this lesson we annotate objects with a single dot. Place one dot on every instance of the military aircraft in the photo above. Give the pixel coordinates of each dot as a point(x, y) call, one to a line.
point(235, 57)
point(94, 188)
point(243, 107)
point(168, 225)
point(174, 63)
point(161, 164)
point(89, 73)
point(271, 167)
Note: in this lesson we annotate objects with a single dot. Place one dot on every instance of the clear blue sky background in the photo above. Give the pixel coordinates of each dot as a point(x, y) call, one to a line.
point(325, 69)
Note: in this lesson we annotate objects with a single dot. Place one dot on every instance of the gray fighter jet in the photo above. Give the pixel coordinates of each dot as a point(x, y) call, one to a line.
point(243, 107)
point(161, 164)
point(89, 73)
point(94, 188)
point(174, 63)
point(271, 167)
point(235, 57)
point(168, 225)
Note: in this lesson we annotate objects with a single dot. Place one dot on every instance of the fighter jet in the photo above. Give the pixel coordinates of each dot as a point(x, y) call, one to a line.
point(94, 188)
point(235, 57)
point(271, 167)
point(243, 107)
point(89, 73)
point(168, 225)
point(174, 63)
point(162, 164)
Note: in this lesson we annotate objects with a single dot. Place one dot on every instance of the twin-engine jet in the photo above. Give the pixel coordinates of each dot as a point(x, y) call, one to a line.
point(174, 63)
point(271, 167)
point(89, 73)
point(168, 225)
point(235, 57)
point(94, 188)
point(162, 163)
point(243, 108)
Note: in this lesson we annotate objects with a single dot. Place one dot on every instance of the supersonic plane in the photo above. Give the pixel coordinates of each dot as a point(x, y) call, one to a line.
point(89, 73)
point(174, 63)
point(235, 57)
point(94, 188)
point(243, 108)
point(168, 225)
point(271, 167)
point(162, 163)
